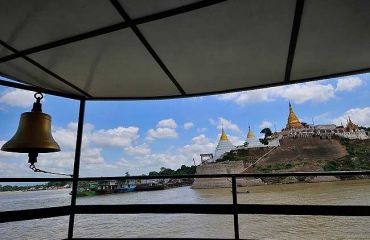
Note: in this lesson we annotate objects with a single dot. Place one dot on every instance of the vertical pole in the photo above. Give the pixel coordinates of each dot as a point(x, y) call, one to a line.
point(76, 167)
point(235, 203)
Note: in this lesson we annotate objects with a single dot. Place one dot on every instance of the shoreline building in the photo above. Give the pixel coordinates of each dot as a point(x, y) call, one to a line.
point(224, 145)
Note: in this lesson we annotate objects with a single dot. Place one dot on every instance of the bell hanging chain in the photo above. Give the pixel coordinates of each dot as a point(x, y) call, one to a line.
point(35, 169)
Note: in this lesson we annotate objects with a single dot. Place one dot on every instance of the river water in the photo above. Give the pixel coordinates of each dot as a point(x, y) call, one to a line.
point(197, 225)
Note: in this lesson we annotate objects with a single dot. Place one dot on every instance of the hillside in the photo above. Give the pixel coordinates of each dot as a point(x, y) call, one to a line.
point(307, 154)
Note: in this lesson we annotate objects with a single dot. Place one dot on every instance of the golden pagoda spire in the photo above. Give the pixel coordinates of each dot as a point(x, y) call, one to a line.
point(350, 125)
point(250, 133)
point(293, 121)
point(223, 136)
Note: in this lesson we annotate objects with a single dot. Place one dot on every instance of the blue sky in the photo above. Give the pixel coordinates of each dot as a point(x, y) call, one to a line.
point(141, 136)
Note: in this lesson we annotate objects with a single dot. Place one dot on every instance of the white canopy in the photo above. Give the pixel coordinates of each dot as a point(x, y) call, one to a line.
point(138, 49)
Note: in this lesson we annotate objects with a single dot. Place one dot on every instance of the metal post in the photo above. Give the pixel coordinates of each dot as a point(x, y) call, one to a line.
point(235, 203)
point(76, 167)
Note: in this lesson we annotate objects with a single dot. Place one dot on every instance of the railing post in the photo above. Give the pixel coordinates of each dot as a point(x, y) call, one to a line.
point(76, 167)
point(235, 203)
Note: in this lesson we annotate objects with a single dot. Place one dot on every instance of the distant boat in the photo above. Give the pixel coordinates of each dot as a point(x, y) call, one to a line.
point(128, 186)
point(149, 187)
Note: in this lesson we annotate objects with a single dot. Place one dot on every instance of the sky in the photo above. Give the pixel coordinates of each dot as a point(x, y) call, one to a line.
point(142, 136)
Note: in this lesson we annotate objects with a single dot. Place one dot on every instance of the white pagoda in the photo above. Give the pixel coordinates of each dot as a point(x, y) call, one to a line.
point(223, 146)
point(252, 141)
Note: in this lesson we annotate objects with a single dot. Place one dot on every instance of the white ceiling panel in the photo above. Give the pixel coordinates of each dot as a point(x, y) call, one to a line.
point(140, 8)
point(20, 69)
point(4, 51)
point(224, 46)
point(111, 65)
point(235, 44)
point(334, 37)
point(26, 24)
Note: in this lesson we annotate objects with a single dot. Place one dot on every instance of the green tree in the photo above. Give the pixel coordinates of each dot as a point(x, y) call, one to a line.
point(267, 132)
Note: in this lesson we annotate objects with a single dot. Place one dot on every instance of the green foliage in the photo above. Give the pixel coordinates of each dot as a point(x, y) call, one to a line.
point(234, 155)
point(183, 170)
point(25, 188)
point(358, 157)
point(264, 141)
point(274, 167)
point(267, 132)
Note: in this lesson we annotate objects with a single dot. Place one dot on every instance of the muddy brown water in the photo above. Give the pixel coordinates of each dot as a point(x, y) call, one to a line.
point(195, 225)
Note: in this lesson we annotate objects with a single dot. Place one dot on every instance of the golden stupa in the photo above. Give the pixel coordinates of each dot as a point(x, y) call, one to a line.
point(293, 121)
point(350, 125)
point(223, 136)
point(250, 133)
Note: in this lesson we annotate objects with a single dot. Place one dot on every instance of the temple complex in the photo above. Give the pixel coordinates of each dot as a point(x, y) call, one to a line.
point(223, 146)
point(294, 129)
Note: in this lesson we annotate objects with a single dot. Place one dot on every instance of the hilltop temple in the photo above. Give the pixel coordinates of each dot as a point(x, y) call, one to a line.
point(294, 129)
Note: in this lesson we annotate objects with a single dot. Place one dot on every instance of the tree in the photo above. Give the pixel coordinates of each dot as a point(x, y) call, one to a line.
point(267, 132)
point(264, 141)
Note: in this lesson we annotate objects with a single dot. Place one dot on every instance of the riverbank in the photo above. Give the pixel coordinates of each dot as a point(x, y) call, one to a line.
point(209, 183)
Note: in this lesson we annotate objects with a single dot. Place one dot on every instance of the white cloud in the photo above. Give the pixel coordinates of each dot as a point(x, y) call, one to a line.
point(265, 124)
point(348, 83)
point(17, 98)
point(359, 116)
point(161, 133)
point(235, 140)
point(138, 150)
point(226, 124)
point(298, 93)
point(188, 125)
point(165, 128)
point(312, 91)
point(199, 144)
point(116, 137)
point(201, 130)
point(249, 97)
point(167, 123)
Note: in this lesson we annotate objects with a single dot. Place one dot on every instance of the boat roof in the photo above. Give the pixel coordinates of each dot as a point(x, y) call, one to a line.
point(144, 49)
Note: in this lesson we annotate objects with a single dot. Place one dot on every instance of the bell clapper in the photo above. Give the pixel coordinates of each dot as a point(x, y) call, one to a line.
point(32, 157)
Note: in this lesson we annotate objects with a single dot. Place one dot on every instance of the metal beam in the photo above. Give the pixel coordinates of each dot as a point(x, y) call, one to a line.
point(29, 214)
point(218, 209)
point(242, 175)
point(38, 89)
point(293, 38)
point(228, 209)
point(146, 44)
point(258, 175)
point(76, 166)
point(235, 204)
point(44, 69)
point(35, 179)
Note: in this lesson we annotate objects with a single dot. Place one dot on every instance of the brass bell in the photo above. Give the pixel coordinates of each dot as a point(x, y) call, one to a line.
point(33, 135)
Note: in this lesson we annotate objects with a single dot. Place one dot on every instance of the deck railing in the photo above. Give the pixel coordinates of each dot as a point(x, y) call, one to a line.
point(221, 209)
